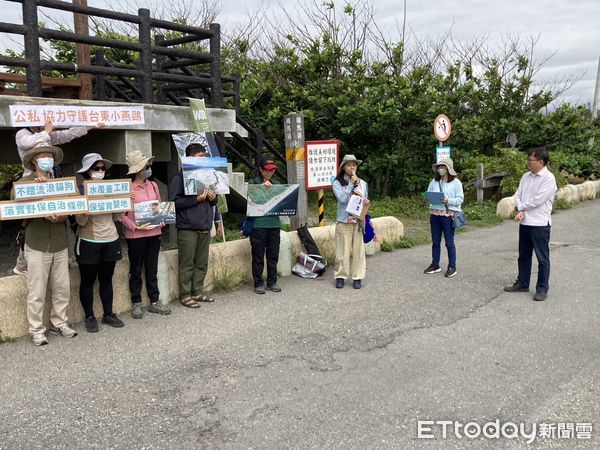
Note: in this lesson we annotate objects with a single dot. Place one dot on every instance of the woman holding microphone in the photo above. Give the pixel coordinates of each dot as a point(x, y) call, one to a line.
point(349, 229)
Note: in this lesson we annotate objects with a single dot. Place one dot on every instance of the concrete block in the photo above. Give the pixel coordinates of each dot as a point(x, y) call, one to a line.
point(229, 261)
point(506, 207)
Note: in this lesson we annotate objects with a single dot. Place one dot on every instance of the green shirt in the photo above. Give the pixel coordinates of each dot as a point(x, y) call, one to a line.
point(45, 236)
point(266, 221)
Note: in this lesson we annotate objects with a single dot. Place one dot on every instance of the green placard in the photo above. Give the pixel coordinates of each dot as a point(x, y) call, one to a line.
point(199, 116)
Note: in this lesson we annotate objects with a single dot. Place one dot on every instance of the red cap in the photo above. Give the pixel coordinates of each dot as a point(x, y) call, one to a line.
point(268, 164)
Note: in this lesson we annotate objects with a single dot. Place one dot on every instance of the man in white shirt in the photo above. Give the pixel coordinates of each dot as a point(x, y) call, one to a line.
point(534, 199)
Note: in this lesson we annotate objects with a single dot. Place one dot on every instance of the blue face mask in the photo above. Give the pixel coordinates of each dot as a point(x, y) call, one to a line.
point(148, 173)
point(45, 164)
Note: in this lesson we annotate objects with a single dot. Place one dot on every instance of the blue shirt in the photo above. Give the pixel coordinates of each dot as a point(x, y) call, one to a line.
point(453, 191)
point(343, 194)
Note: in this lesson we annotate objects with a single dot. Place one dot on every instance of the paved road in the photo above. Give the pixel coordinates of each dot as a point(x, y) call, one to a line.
point(316, 367)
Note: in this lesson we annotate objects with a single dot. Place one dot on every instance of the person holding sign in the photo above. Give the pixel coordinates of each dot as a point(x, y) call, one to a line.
point(143, 241)
point(264, 239)
point(351, 193)
point(451, 197)
point(195, 215)
point(26, 139)
point(46, 255)
point(97, 250)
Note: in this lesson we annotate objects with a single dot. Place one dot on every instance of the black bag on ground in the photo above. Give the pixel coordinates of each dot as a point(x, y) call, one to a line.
point(307, 240)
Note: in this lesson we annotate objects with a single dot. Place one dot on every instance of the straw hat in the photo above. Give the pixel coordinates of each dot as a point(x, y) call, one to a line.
point(136, 161)
point(57, 153)
point(90, 159)
point(448, 163)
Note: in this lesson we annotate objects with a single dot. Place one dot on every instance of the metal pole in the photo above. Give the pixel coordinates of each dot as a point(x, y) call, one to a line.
point(32, 48)
point(321, 195)
point(596, 94)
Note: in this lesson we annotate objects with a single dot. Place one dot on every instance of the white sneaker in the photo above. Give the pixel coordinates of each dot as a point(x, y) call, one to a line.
point(20, 272)
point(64, 330)
point(39, 339)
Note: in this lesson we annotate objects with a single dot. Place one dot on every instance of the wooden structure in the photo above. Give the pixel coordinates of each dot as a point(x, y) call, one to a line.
point(492, 181)
point(160, 71)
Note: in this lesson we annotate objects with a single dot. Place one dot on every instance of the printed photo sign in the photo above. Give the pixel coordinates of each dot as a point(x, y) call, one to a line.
point(201, 173)
point(321, 163)
point(55, 187)
point(68, 116)
point(154, 213)
point(11, 210)
point(276, 200)
point(206, 140)
point(106, 188)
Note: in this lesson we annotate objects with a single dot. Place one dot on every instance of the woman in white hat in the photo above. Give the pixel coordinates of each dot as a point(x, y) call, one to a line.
point(97, 250)
point(349, 228)
point(441, 218)
point(143, 241)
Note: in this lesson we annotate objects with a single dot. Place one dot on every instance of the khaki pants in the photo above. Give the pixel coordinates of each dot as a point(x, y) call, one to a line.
point(192, 249)
point(44, 268)
point(349, 243)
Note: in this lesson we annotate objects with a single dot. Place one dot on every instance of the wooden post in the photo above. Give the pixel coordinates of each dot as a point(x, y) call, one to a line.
point(100, 79)
point(82, 28)
point(145, 63)
point(480, 185)
point(32, 48)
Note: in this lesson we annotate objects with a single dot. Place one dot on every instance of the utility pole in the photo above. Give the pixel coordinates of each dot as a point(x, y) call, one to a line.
point(596, 104)
point(82, 28)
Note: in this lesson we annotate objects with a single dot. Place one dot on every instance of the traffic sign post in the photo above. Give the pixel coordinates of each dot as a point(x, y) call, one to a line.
point(442, 128)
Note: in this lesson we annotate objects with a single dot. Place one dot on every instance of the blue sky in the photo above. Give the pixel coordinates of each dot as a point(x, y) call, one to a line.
point(567, 31)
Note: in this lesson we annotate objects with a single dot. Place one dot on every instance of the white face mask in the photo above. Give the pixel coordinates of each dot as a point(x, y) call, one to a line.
point(96, 175)
point(45, 164)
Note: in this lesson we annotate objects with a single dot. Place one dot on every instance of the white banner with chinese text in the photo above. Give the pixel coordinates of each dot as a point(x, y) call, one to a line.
point(67, 115)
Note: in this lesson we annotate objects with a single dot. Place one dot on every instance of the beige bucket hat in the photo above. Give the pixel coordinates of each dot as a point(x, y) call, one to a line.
point(136, 161)
point(350, 158)
point(57, 153)
point(448, 163)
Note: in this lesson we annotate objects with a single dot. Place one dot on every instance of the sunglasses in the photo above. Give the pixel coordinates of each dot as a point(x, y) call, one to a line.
point(99, 169)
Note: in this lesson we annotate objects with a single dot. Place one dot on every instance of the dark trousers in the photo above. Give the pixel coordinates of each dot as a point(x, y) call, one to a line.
point(143, 253)
point(442, 225)
point(104, 272)
point(264, 241)
point(534, 238)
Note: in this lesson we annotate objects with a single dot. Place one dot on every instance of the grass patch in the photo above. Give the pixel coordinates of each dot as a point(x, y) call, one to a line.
point(226, 280)
point(482, 214)
point(562, 203)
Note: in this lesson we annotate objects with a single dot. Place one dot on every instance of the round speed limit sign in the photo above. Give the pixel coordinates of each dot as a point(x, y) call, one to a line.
point(442, 127)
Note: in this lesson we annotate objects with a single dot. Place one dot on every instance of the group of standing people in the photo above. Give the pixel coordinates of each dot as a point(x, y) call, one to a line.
point(45, 259)
point(97, 248)
point(534, 199)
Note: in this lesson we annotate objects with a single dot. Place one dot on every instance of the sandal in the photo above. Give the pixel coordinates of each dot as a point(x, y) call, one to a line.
point(189, 302)
point(203, 298)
